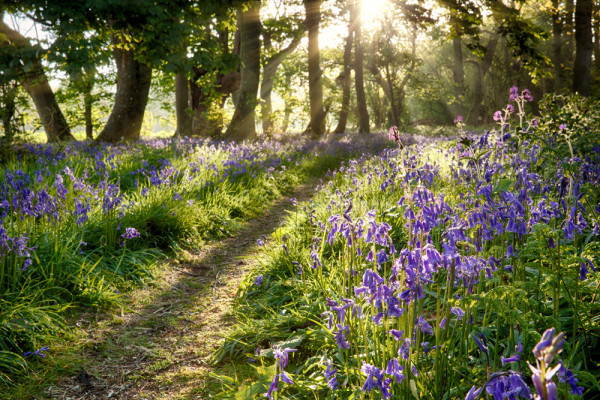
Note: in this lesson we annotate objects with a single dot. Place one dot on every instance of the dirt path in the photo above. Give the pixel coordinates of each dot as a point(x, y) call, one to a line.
point(159, 349)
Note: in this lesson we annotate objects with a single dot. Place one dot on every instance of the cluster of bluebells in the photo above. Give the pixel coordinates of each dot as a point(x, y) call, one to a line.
point(50, 187)
point(55, 198)
point(384, 291)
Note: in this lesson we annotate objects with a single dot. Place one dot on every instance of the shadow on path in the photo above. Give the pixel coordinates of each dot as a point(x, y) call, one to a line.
point(159, 350)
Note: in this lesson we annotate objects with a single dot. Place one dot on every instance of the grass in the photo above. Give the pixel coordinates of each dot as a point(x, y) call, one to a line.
point(498, 276)
point(177, 195)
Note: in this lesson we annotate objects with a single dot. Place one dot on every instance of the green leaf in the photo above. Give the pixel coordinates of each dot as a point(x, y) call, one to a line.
point(503, 185)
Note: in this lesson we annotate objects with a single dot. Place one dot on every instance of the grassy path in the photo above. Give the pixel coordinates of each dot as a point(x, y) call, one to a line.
point(160, 347)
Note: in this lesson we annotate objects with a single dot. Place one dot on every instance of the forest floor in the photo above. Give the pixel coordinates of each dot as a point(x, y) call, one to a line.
point(160, 347)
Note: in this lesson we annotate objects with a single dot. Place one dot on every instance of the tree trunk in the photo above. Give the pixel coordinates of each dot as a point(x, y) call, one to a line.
point(34, 81)
point(596, 18)
point(182, 104)
point(458, 72)
point(88, 101)
point(346, 82)
point(361, 99)
point(266, 86)
point(478, 113)
point(582, 78)
point(315, 89)
point(133, 85)
point(243, 125)
point(9, 108)
point(569, 44)
point(287, 111)
point(203, 124)
point(556, 45)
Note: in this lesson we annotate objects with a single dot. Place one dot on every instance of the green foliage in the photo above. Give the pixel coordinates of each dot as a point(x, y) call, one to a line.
point(581, 119)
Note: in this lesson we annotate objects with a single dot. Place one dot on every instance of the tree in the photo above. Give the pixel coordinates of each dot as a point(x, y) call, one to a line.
point(285, 27)
point(346, 81)
point(316, 125)
point(582, 81)
point(557, 45)
point(477, 112)
point(133, 85)
point(243, 124)
point(458, 72)
point(361, 100)
point(27, 64)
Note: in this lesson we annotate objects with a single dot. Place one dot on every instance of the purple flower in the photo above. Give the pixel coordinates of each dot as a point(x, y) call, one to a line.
point(330, 377)
point(509, 386)
point(547, 348)
point(527, 95)
point(583, 271)
point(514, 93)
point(130, 233)
point(395, 369)
point(562, 127)
point(473, 393)
point(374, 377)
point(424, 325)
point(396, 333)
point(340, 338)
point(566, 375)
point(498, 115)
point(258, 280)
point(458, 312)
point(458, 119)
point(510, 108)
point(38, 352)
point(285, 378)
point(482, 344)
point(282, 356)
point(273, 386)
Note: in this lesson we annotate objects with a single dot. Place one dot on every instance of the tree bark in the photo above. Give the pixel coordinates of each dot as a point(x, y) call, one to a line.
point(243, 124)
point(481, 68)
point(361, 99)
point(9, 108)
point(458, 72)
point(201, 99)
point(133, 86)
point(88, 101)
point(34, 81)
point(315, 89)
point(182, 104)
point(557, 45)
point(582, 78)
point(346, 82)
point(568, 43)
point(596, 18)
point(266, 86)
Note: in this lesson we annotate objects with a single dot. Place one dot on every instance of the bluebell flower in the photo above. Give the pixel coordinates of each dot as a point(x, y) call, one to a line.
point(424, 325)
point(565, 375)
point(130, 233)
point(395, 369)
point(273, 386)
point(258, 280)
point(482, 344)
point(340, 338)
point(457, 311)
point(285, 378)
point(39, 352)
point(330, 377)
point(473, 393)
point(583, 271)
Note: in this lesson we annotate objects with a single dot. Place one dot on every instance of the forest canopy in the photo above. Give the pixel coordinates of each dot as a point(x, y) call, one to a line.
point(116, 70)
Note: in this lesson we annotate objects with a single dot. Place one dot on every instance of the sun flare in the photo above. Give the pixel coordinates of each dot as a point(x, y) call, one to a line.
point(372, 10)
